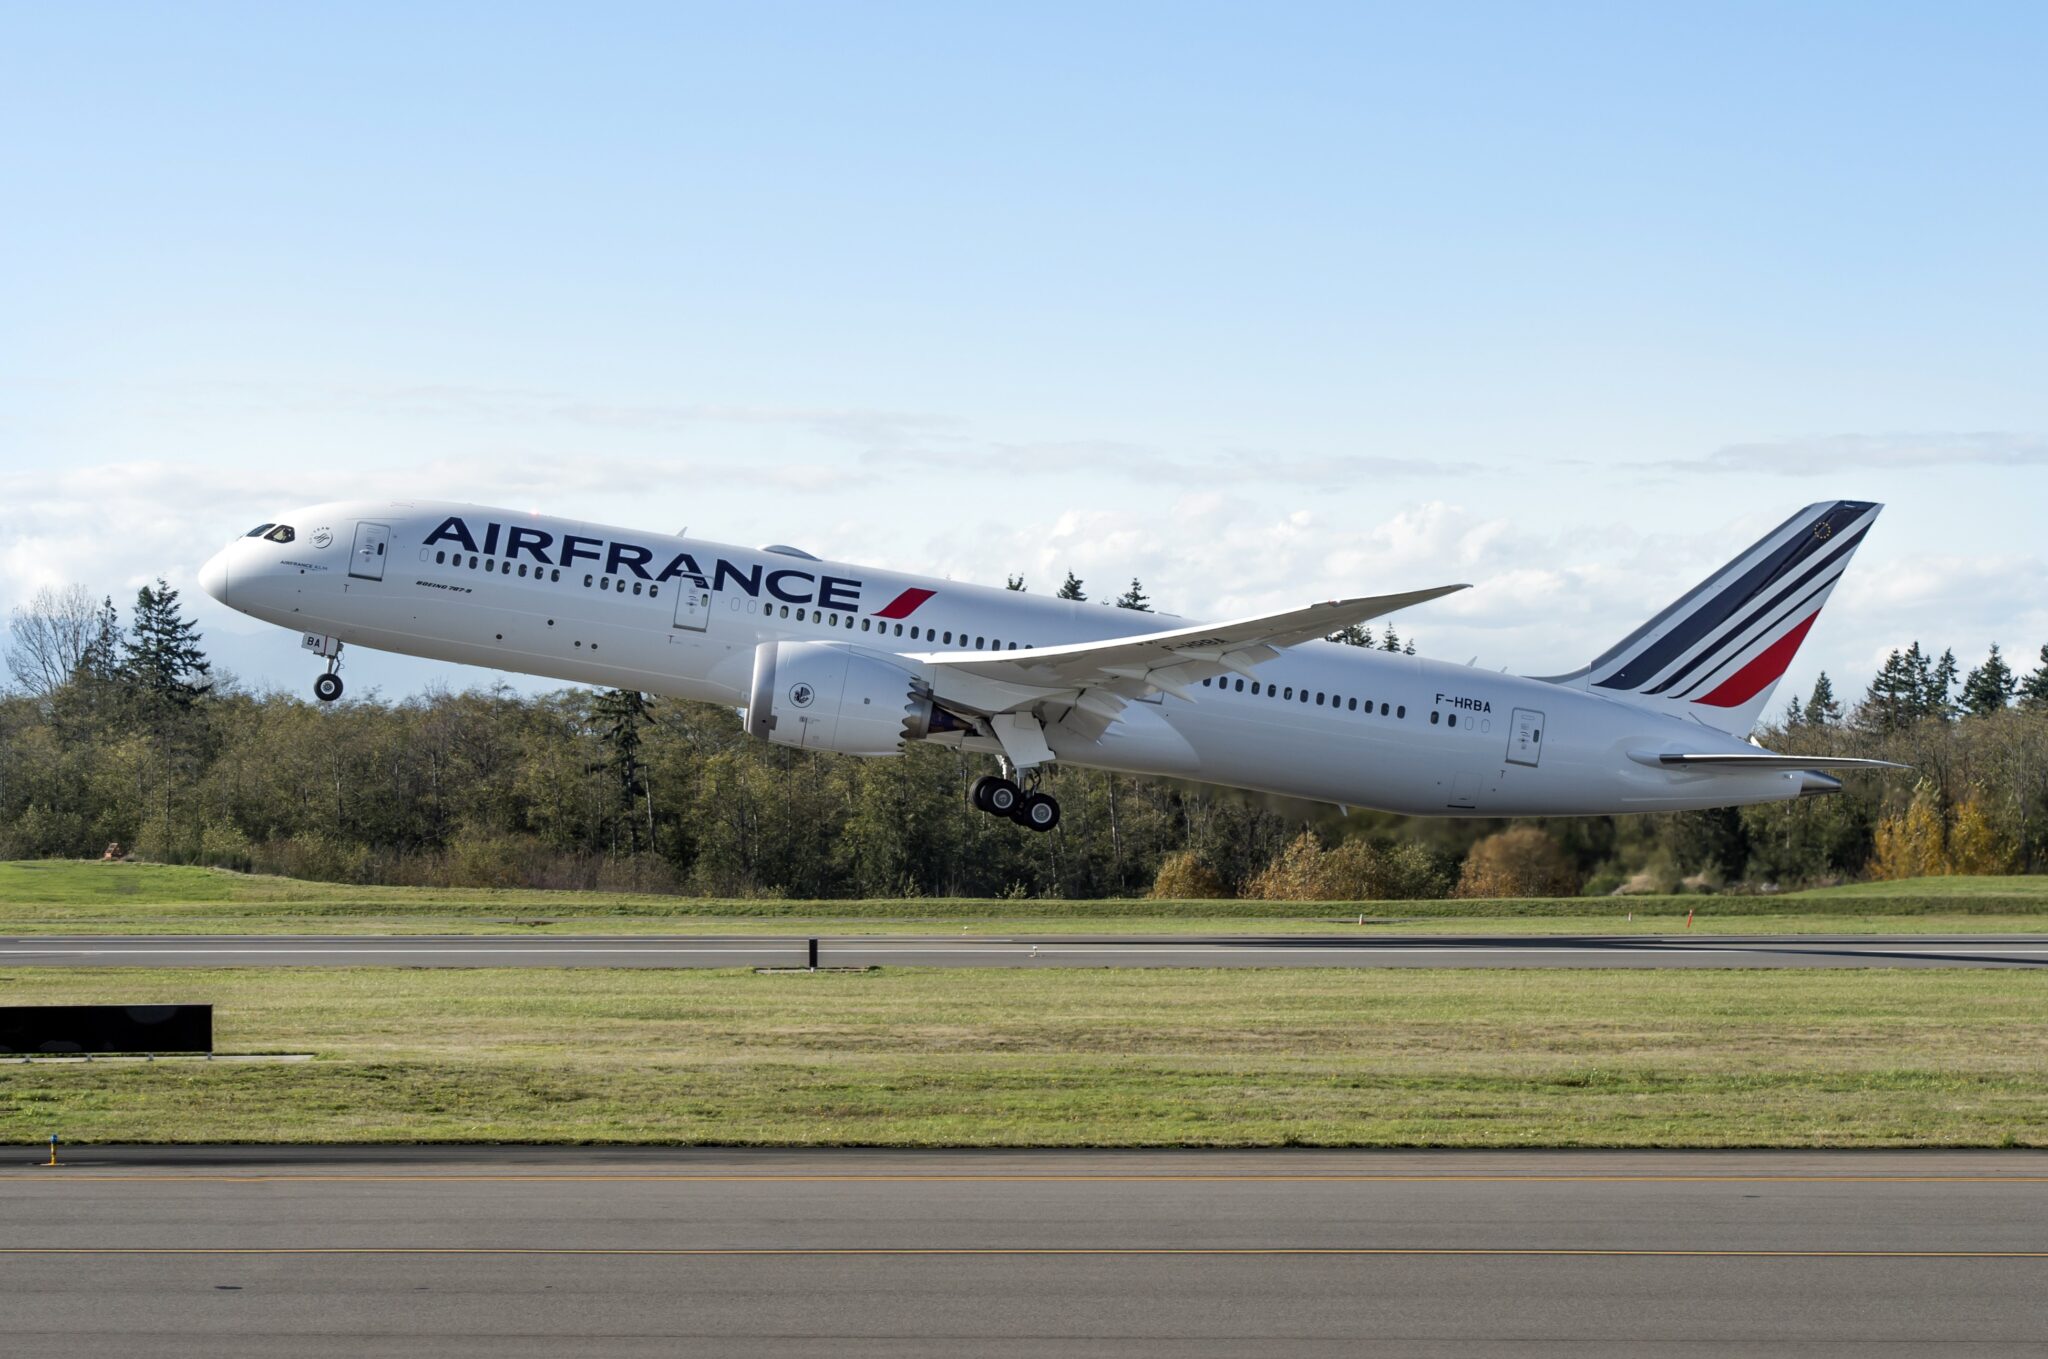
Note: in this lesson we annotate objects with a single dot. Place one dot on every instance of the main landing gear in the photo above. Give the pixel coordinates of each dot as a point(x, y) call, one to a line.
point(1026, 806)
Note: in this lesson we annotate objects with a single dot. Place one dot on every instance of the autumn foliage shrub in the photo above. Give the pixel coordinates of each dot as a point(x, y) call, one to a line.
point(1518, 862)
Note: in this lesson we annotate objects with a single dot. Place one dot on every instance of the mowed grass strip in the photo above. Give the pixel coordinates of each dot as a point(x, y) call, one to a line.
point(915, 1057)
point(58, 897)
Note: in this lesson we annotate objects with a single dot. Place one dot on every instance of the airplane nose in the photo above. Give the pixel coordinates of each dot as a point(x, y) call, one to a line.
point(213, 577)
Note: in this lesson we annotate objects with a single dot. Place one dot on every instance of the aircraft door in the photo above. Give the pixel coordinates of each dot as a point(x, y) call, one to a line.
point(693, 607)
point(1525, 743)
point(373, 544)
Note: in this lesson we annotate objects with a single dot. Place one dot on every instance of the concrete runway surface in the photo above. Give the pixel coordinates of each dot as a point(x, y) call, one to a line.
point(1027, 951)
point(510, 1253)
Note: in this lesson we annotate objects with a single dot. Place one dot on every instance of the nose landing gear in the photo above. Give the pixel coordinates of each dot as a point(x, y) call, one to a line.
point(327, 687)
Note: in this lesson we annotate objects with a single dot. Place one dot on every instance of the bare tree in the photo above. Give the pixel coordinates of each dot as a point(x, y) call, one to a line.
point(48, 637)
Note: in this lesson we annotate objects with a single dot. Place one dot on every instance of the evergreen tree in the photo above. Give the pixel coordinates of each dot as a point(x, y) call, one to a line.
point(1408, 647)
point(1016, 583)
point(162, 659)
point(1897, 697)
point(1822, 709)
point(1390, 641)
point(1135, 598)
point(1352, 634)
point(1989, 687)
point(619, 715)
point(1072, 588)
point(1795, 714)
point(2034, 688)
point(102, 658)
point(1939, 698)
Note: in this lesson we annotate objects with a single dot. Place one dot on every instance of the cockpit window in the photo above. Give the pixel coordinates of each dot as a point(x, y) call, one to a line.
point(281, 534)
point(259, 530)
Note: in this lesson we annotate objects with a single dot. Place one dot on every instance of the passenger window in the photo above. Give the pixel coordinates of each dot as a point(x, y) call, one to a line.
point(1401, 711)
point(949, 636)
point(799, 615)
point(1240, 686)
point(654, 590)
point(259, 530)
point(636, 587)
point(1304, 696)
point(1354, 705)
point(1434, 717)
point(1255, 688)
point(555, 574)
point(899, 630)
point(913, 631)
point(1013, 646)
point(441, 558)
point(522, 570)
point(472, 563)
point(1289, 693)
point(1383, 710)
point(866, 624)
point(785, 611)
point(588, 580)
point(1319, 698)
point(1453, 722)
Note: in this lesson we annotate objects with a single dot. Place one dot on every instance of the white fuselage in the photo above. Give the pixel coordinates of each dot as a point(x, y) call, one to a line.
point(683, 617)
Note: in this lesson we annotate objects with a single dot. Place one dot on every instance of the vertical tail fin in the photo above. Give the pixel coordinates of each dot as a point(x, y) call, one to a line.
point(1717, 653)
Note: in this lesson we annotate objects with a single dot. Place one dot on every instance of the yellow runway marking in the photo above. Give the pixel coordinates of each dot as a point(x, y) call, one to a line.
point(686, 1252)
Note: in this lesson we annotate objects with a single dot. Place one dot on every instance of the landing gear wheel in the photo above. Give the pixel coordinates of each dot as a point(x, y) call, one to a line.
point(1039, 811)
point(1000, 797)
point(327, 688)
point(977, 792)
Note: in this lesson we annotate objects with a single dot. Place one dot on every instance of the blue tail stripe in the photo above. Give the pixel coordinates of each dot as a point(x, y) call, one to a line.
point(1650, 662)
point(1843, 548)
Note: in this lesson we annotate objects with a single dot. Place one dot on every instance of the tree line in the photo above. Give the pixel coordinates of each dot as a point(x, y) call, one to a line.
point(116, 730)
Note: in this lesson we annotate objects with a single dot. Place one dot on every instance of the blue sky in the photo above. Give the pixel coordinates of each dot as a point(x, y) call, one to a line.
point(1261, 303)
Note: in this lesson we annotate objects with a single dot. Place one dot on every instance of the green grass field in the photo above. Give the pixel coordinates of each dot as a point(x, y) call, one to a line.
point(48, 897)
point(923, 1057)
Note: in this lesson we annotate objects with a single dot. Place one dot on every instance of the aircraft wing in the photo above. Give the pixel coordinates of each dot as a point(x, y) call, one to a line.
point(1175, 659)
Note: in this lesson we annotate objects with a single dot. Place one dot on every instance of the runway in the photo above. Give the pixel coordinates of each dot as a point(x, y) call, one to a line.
point(1027, 951)
point(529, 1252)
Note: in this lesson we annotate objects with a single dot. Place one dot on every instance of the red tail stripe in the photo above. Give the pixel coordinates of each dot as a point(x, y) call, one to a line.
point(904, 604)
point(1751, 680)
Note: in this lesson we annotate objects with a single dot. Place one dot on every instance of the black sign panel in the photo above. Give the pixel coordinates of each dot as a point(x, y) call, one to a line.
point(105, 1028)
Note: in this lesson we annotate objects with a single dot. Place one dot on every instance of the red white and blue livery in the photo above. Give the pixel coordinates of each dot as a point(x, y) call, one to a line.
point(830, 656)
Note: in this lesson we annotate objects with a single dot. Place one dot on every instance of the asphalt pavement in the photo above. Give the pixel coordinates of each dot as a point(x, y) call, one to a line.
point(512, 1252)
point(1028, 951)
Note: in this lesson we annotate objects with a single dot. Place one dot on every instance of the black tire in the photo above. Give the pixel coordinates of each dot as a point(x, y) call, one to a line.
point(1001, 798)
point(977, 792)
point(1040, 812)
point(327, 688)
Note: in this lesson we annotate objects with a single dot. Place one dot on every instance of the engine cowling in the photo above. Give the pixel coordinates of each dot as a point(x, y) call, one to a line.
point(831, 696)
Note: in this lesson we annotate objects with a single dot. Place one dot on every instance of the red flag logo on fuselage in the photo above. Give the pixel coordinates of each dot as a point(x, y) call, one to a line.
point(904, 604)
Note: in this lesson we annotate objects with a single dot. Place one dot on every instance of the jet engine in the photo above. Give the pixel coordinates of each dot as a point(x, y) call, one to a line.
point(831, 696)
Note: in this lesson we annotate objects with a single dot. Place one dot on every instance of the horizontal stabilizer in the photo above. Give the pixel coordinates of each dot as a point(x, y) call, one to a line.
point(1735, 762)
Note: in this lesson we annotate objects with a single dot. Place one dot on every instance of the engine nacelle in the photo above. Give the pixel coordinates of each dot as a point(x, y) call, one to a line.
point(832, 696)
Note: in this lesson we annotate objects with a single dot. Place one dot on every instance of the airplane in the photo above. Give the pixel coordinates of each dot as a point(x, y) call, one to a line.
point(830, 656)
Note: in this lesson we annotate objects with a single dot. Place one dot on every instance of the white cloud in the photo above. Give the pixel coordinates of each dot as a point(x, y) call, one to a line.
point(1820, 455)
